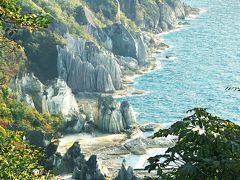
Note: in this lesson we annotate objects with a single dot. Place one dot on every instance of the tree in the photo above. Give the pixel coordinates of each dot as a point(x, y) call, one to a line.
point(18, 160)
point(13, 19)
point(208, 147)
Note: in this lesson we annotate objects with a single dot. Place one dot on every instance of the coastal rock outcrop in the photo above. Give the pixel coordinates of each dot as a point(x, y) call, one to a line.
point(113, 116)
point(39, 138)
point(73, 161)
point(127, 114)
point(139, 145)
point(57, 97)
point(126, 43)
point(87, 68)
point(91, 170)
point(29, 89)
point(156, 16)
point(65, 164)
point(126, 173)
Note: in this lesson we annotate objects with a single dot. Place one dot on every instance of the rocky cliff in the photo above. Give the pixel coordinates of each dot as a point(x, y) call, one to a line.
point(91, 47)
point(73, 161)
point(156, 16)
point(113, 116)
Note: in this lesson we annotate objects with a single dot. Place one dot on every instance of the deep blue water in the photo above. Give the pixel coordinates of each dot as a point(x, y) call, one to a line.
point(208, 52)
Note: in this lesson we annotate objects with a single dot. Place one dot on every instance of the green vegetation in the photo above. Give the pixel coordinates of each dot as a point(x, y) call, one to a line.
point(208, 147)
point(11, 16)
point(12, 58)
point(18, 160)
point(131, 26)
point(16, 115)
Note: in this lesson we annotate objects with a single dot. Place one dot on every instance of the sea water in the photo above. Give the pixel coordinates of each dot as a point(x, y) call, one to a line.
point(207, 61)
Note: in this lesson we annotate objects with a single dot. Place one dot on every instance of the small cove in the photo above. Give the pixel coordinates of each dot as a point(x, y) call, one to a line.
point(207, 61)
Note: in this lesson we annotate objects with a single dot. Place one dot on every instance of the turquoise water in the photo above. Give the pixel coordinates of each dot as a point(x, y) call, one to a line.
point(208, 61)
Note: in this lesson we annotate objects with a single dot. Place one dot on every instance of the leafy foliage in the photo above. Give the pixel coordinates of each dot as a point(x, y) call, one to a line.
point(17, 159)
point(208, 147)
point(16, 115)
point(12, 58)
point(10, 15)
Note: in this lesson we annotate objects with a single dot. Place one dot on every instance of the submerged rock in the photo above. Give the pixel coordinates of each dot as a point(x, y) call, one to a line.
point(149, 127)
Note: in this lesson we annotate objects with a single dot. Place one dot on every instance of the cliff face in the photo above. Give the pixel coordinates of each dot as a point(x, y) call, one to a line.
point(94, 44)
point(86, 68)
point(156, 16)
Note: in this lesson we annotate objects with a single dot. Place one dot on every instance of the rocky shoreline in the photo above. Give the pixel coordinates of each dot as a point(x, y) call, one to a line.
point(116, 148)
point(112, 150)
point(90, 75)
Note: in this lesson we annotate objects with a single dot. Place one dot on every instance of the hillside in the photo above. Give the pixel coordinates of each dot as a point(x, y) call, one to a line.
point(92, 47)
point(89, 53)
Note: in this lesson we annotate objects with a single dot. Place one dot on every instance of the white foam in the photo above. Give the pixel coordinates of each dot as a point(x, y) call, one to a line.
point(192, 17)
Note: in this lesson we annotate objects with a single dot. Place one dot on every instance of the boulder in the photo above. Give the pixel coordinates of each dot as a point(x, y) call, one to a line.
point(139, 145)
point(89, 127)
point(136, 146)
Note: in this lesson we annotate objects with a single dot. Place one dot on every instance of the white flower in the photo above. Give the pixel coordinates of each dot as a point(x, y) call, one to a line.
point(201, 131)
point(36, 172)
